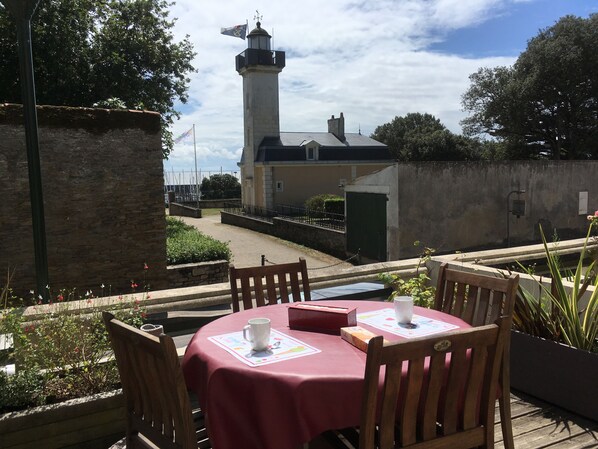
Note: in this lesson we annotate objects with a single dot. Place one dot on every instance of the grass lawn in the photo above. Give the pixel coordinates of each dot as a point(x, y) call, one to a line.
point(209, 212)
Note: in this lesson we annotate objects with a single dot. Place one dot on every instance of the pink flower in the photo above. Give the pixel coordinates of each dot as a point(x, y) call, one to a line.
point(145, 267)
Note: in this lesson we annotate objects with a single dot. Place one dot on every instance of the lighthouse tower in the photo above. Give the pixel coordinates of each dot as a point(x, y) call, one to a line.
point(259, 66)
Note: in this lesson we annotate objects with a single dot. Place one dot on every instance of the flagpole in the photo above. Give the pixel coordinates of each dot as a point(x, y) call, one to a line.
point(196, 178)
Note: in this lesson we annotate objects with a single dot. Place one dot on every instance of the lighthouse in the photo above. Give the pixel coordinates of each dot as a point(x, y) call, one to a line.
point(259, 66)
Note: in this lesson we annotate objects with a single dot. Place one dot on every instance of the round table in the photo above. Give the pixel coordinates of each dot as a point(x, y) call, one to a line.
point(283, 404)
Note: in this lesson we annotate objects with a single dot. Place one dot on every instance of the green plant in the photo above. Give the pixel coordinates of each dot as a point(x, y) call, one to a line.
point(185, 244)
point(65, 353)
point(418, 286)
point(558, 312)
point(316, 203)
point(21, 390)
point(334, 206)
point(534, 315)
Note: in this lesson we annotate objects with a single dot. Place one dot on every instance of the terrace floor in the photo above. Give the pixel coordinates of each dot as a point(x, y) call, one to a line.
point(537, 424)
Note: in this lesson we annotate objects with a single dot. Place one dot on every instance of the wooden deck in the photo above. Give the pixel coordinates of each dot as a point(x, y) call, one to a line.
point(537, 424)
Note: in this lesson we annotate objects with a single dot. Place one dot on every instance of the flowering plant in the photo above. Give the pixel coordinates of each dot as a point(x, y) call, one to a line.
point(64, 352)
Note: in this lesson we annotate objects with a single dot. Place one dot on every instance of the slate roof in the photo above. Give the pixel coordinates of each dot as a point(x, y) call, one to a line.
point(288, 147)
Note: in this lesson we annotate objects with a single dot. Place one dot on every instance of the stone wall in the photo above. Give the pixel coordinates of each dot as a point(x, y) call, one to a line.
point(203, 273)
point(102, 181)
point(462, 206)
point(181, 210)
point(328, 241)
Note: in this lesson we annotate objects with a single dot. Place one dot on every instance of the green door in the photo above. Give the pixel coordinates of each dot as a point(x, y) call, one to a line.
point(366, 225)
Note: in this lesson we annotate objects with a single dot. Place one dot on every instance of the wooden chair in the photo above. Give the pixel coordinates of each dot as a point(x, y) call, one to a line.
point(480, 299)
point(156, 399)
point(449, 404)
point(263, 285)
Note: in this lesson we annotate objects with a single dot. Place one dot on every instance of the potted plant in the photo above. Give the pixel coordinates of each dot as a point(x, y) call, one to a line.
point(62, 388)
point(418, 286)
point(554, 346)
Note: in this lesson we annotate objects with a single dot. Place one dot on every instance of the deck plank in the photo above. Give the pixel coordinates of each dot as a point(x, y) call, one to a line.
point(538, 425)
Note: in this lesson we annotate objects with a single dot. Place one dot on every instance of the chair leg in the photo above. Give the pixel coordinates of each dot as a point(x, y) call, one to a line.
point(504, 405)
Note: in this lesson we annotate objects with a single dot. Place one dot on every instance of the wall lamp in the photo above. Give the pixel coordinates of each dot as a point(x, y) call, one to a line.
point(519, 211)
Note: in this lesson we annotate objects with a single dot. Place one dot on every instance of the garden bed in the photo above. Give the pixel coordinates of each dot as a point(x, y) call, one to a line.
point(93, 422)
point(556, 373)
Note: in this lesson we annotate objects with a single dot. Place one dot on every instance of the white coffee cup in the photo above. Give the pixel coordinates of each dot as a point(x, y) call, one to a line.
point(154, 329)
point(404, 309)
point(257, 332)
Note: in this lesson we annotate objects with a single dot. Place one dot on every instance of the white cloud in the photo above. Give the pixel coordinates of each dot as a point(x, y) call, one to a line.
point(366, 58)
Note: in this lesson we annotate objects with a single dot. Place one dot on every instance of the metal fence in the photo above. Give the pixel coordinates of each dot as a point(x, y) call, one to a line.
point(299, 214)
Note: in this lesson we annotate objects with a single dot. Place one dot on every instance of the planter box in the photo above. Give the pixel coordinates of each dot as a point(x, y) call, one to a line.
point(556, 373)
point(93, 422)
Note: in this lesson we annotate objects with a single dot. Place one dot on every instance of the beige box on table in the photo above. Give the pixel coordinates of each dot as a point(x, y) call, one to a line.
point(357, 336)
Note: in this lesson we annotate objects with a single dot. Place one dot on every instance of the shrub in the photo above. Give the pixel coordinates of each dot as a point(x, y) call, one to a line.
point(316, 203)
point(185, 244)
point(21, 390)
point(334, 206)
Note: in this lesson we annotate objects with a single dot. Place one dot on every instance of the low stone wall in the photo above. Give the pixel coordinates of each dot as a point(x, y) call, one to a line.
point(202, 273)
point(328, 241)
point(244, 221)
point(210, 204)
point(182, 210)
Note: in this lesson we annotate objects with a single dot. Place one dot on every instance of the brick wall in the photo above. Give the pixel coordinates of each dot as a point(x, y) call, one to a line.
point(102, 181)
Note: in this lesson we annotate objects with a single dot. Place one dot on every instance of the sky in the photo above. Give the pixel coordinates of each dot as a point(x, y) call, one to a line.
point(373, 60)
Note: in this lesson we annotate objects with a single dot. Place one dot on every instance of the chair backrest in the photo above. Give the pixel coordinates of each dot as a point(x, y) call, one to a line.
point(263, 285)
point(156, 398)
point(476, 298)
point(435, 400)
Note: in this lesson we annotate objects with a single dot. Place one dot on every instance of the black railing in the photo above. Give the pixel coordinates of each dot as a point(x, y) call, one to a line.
point(299, 214)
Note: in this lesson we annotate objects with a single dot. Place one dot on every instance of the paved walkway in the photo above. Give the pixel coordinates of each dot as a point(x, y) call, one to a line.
point(248, 246)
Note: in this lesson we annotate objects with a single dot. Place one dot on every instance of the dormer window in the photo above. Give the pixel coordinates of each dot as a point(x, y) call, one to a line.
point(311, 150)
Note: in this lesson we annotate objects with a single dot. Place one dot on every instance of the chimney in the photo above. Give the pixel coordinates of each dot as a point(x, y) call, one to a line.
point(336, 126)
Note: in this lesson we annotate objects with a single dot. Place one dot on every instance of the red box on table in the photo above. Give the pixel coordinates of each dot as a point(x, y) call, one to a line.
point(321, 318)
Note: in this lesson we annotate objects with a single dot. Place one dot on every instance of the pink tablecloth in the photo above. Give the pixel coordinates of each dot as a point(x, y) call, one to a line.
point(284, 404)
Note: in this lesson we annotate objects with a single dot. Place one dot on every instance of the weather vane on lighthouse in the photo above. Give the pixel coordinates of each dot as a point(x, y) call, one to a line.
point(258, 18)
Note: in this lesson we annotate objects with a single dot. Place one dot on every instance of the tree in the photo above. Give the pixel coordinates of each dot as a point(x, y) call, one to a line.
point(93, 52)
point(422, 137)
point(220, 186)
point(546, 105)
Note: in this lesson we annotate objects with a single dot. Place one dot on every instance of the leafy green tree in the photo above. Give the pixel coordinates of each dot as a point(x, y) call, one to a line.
point(220, 186)
point(546, 104)
point(422, 137)
point(104, 53)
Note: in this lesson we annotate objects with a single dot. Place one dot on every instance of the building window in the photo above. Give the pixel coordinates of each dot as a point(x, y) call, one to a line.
point(311, 154)
point(280, 186)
